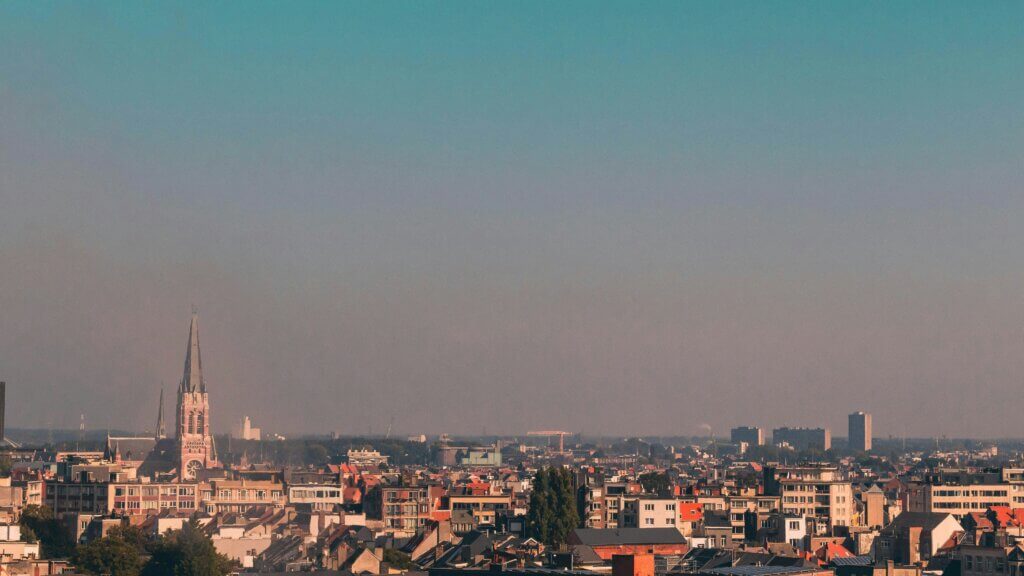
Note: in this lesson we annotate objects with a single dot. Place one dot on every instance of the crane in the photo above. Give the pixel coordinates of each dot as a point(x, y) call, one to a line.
point(549, 433)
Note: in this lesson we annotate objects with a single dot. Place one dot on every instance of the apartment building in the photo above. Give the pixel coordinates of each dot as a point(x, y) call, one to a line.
point(748, 507)
point(803, 438)
point(591, 504)
point(485, 509)
point(321, 497)
point(752, 435)
point(645, 512)
point(859, 432)
point(241, 495)
point(962, 500)
point(991, 560)
point(402, 509)
point(818, 493)
point(76, 498)
point(134, 498)
point(615, 494)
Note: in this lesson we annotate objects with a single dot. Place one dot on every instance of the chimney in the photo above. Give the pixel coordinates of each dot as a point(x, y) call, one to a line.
point(633, 565)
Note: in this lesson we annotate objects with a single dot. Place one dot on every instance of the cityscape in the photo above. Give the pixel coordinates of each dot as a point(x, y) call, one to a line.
point(794, 502)
point(531, 288)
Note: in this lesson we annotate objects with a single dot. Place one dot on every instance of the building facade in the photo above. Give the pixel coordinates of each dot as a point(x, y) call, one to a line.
point(860, 432)
point(752, 435)
point(803, 438)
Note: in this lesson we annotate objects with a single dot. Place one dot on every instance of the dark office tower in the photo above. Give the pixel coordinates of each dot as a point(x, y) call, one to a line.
point(750, 434)
point(803, 438)
point(860, 432)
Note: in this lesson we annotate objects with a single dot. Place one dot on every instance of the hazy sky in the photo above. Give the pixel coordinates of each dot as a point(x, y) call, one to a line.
point(631, 218)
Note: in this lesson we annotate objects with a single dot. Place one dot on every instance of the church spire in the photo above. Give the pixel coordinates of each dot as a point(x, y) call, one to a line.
point(161, 430)
point(192, 381)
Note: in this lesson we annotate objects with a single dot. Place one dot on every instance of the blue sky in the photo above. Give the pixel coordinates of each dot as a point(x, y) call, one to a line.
point(810, 208)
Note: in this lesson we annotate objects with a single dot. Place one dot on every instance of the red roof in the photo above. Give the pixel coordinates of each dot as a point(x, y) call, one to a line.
point(830, 550)
point(1005, 517)
point(690, 511)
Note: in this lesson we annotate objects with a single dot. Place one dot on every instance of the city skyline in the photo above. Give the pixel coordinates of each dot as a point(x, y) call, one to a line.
point(626, 219)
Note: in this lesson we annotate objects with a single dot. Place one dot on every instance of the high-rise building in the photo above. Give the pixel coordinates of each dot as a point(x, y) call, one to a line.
point(249, 432)
point(195, 443)
point(752, 435)
point(860, 432)
point(803, 438)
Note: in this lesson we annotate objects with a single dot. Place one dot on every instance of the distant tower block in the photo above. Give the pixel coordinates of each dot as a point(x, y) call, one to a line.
point(860, 432)
point(250, 432)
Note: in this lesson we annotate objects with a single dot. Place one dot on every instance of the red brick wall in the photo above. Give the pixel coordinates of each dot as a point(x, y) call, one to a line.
point(606, 552)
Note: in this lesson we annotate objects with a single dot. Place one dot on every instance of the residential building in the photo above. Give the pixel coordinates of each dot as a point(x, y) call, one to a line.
point(647, 512)
point(752, 435)
point(960, 500)
point(818, 493)
point(860, 432)
point(402, 508)
point(915, 537)
point(991, 560)
point(803, 438)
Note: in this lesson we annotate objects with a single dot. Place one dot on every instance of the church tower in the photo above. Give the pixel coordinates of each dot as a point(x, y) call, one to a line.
point(195, 443)
point(161, 429)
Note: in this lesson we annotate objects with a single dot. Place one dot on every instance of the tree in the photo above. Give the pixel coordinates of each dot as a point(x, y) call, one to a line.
point(111, 555)
point(132, 535)
point(398, 559)
point(656, 483)
point(54, 540)
point(552, 514)
point(317, 454)
point(186, 552)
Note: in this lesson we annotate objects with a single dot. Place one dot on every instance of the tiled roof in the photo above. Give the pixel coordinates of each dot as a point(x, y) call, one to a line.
point(626, 536)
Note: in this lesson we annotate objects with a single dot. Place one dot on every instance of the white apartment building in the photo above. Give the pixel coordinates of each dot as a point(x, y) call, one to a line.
point(640, 512)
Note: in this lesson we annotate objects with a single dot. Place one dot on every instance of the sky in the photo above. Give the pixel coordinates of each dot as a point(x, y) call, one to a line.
point(623, 218)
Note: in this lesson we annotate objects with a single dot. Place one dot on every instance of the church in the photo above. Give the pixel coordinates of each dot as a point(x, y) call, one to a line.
point(192, 450)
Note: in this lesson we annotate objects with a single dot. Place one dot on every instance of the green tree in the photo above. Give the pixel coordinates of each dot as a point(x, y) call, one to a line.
point(552, 514)
point(656, 483)
point(111, 555)
point(186, 552)
point(398, 559)
point(317, 454)
point(54, 539)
